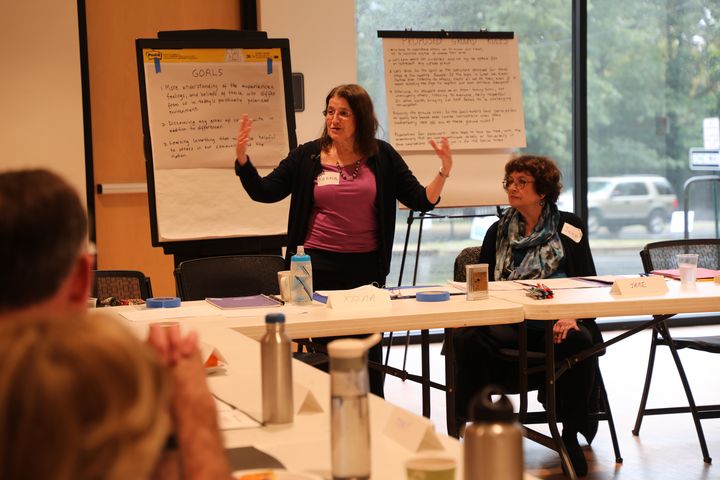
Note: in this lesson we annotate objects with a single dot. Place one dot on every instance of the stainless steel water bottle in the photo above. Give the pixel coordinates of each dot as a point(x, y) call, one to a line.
point(275, 361)
point(493, 447)
point(349, 413)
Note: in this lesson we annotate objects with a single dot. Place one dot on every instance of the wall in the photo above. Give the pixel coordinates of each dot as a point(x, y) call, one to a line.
point(123, 225)
point(322, 48)
point(40, 90)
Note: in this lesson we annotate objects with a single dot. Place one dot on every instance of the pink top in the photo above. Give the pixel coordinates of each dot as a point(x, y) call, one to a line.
point(344, 216)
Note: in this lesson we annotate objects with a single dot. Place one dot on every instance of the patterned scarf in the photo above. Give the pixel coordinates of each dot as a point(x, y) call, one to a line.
point(543, 248)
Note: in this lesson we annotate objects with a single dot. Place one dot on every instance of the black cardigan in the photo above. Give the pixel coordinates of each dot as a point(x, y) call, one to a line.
point(296, 174)
point(578, 257)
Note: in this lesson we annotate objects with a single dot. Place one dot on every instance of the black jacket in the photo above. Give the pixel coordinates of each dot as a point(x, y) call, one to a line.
point(296, 174)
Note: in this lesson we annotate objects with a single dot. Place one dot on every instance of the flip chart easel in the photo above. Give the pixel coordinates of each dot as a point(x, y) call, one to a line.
point(194, 88)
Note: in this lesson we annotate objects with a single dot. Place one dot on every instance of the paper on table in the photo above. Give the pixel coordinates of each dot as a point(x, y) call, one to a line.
point(304, 401)
point(230, 418)
point(559, 283)
point(412, 432)
point(149, 314)
point(503, 286)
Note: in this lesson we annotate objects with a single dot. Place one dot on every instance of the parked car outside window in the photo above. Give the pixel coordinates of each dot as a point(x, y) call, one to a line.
point(614, 202)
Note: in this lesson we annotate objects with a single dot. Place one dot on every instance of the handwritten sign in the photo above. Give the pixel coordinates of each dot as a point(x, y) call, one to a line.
point(467, 89)
point(366, 297)
point(412, 432)
point(197, 96)
point(639, 287)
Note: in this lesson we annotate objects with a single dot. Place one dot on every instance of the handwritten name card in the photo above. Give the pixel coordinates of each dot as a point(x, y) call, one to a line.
point(365, 297)
point(412, 432)
point(639, 287)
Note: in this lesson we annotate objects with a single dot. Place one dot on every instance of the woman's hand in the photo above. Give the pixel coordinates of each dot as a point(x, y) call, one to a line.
point(562, 327)
point(243, 139)
point(443, 151)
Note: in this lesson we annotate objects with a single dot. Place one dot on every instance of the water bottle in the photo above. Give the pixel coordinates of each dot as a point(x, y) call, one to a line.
point(349, 414)
point(275, 361)
point(493, 441)
point(301, 284)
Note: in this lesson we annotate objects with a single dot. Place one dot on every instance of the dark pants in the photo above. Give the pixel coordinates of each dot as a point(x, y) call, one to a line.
point(478, 363)
point(342, 271)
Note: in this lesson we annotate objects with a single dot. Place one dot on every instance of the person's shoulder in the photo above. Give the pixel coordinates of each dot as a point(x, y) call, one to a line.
point(385, 149)
point(572, 219)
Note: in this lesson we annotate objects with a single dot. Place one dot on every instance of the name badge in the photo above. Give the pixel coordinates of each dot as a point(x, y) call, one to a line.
point(328, 178)
point(572, 232)
point(653, 285)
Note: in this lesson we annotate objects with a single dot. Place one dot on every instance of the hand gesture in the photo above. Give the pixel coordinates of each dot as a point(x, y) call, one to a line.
point(443, 151)
point(243, 139)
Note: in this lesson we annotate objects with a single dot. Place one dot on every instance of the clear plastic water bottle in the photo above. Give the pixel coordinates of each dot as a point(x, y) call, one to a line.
point(493, 441)
point(301, 284)
point(349, 413)
point(275, 361)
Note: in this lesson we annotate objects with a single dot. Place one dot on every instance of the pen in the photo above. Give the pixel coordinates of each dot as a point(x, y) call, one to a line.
point(276, 298)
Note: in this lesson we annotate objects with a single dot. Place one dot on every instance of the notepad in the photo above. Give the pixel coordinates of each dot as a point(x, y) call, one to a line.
point(250, 301)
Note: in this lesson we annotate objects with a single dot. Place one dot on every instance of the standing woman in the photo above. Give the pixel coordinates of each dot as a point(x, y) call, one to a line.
point(534, 240)
point(345, 187)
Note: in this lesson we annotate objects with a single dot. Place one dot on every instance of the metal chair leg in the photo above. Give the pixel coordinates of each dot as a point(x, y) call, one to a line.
point(608, 414)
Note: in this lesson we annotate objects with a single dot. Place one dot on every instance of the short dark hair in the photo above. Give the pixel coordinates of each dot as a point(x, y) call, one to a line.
point(544, 171)
point(366, 123)
point(43, 228)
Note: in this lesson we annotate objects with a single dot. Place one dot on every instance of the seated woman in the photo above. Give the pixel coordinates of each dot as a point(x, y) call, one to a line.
point(82, 398)
point(534, 240)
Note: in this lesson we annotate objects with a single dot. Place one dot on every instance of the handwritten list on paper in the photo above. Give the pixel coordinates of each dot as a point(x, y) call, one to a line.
point(195, 104)
point(466, 89)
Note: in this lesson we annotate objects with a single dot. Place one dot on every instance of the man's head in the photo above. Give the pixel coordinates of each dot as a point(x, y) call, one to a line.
point(43, 244)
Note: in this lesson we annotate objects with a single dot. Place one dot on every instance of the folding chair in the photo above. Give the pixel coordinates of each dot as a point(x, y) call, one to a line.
point(661, 256)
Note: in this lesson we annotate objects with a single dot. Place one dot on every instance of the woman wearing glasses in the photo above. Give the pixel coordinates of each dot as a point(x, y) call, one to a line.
point(534, 240)
point(345, 187)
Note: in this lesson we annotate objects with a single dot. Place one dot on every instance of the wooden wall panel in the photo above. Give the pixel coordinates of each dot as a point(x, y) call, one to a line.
point(123, 225)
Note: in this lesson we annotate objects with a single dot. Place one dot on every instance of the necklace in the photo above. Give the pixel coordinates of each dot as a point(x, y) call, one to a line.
point(355, 172)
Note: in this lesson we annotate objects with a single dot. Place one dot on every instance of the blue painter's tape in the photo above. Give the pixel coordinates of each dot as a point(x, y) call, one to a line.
point(157, 65)
point(269, 66)
point(432, 296)
point(162, 302)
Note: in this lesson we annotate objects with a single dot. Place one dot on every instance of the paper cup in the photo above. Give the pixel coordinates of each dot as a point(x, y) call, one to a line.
point(284, 284)
point(430, 468)
point(92, 302)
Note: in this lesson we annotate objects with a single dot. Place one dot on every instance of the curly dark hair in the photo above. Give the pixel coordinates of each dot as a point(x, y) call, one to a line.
point(544, 171)
point(366, 123)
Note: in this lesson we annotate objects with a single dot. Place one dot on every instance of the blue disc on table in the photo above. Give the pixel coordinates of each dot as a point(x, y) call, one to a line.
point(432, 296)
point(162, 302)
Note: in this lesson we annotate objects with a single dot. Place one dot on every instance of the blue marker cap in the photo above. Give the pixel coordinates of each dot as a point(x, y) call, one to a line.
point(275, 318)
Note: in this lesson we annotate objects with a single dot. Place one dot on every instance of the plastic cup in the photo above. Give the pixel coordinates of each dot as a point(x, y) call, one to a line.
point(430, 468)
point(92, 302)
point(687, 265)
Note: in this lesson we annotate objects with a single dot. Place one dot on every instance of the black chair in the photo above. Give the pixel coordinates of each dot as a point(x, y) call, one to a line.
point(236, 276)
point(121, 284)
point(661, 256)
point(531, 375)
point(228, 276)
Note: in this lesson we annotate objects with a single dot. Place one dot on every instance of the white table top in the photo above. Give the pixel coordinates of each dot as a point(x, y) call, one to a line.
point(599, 302)
point(319, 320)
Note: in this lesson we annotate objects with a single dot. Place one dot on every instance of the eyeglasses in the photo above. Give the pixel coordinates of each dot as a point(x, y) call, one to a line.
point(343, 114)
point(519, 183)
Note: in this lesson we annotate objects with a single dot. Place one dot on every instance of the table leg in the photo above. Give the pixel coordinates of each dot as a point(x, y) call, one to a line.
point(425, 370)
point(451, 421)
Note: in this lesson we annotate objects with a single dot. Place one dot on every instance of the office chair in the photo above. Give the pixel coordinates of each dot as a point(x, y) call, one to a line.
point(531, 373)
point(661, 256)
point(228, 276)
point(236, 276)
point(121, 284)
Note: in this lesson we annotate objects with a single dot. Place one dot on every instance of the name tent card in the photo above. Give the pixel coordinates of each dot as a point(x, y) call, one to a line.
point(639, 287)
point(366, 297)
point(412, 432)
